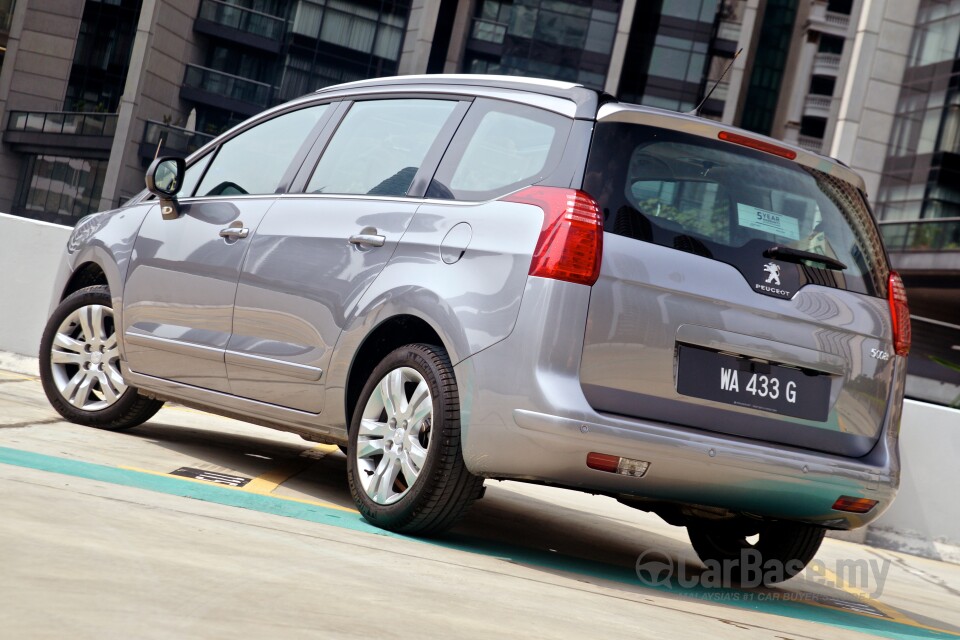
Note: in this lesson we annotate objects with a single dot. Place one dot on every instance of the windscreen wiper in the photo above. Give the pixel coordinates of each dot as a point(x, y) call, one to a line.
point(798, 256)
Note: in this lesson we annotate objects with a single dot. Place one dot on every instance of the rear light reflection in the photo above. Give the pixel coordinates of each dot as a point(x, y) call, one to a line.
point(854, 505)
point(899, 313)
point(616, 464)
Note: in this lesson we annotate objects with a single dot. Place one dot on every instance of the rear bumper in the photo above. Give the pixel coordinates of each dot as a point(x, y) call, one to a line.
point(524, 416)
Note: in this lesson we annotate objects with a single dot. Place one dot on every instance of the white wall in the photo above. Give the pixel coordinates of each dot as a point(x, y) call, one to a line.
point(30, 253)
point(925, 517)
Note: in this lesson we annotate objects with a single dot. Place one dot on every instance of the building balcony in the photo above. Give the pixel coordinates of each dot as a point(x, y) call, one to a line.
point(224, 90)
point(827, 21)
point(161, 139)
point(729, 30)
point(839, 20)
point(810, 143)
point(78, 134)
point(826, 64)
point(817, 106)
point(241, 25)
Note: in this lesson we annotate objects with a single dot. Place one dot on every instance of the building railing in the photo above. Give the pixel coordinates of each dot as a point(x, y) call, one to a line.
point(488, 31)
point(243, 19)
point(227, 85)
point(729, 31)
point(63, 122)
point(931, 234)
point(816, 102)
point(810, 143)
point(837, 19)
point(175, 139)
point(830, 61)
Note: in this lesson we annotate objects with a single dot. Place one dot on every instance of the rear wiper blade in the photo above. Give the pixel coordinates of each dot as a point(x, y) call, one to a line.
point(788, 254)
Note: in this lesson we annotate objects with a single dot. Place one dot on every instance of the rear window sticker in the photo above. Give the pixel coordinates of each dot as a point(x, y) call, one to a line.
point(778, 224)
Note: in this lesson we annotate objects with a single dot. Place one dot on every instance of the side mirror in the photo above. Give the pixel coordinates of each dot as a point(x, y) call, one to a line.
point(164, 179)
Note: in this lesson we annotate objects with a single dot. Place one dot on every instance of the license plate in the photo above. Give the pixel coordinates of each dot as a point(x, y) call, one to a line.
point(755, 385)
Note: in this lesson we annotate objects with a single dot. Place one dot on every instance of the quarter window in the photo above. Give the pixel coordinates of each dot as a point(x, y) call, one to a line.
point(499, 148)
point(254, 162)
point(379, 147)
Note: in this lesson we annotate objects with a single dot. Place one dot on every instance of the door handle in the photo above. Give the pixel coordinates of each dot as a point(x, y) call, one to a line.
point(234, 232)
point(369, 239)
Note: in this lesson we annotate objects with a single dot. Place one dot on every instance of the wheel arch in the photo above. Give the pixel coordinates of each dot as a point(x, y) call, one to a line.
point(390, 334)
point(85, 275)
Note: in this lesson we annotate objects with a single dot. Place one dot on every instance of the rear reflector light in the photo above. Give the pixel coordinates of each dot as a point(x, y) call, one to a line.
point(854, 505)
point(761, 145)
point(900, 313)
point(616, 464)
point(571, 239)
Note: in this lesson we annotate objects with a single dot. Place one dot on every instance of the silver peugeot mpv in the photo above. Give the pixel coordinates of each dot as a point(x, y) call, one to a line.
point(467, 277)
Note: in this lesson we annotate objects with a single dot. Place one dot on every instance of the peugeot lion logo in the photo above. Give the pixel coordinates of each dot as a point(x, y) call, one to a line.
point(774, 273)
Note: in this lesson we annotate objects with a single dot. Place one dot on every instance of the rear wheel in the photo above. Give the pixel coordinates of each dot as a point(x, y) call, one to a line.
point(405, 466)
point(754, 553)
point(80, 365)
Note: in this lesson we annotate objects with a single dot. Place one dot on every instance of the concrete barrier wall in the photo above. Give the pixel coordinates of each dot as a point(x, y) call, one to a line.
point(925, 519)
point(30, 253)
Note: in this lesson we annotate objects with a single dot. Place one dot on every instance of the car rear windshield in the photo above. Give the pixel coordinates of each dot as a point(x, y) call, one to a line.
point(722, 201)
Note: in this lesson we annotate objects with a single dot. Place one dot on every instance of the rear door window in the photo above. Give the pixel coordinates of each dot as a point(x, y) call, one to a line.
point(731, 203)
point(499, 148)
point(379, 147)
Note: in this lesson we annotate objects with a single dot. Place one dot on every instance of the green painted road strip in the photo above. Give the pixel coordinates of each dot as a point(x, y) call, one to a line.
point(173, 485)
point(176, 486)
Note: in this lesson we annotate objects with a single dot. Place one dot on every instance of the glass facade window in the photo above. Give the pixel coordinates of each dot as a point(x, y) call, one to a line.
point(333, 41)
point(840, 6)
point(830, 44)
point(923, 162)
point(678, 58)
point(102, 55)
point(822, 85)
point(767, 75)
point(60, 189)
point(668, 53)
point(699, 10)
point(547, 38)
point(937, 34)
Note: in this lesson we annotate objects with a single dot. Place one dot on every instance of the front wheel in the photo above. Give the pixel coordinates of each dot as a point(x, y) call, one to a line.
point(404, 462)
point(755, 553)
point(80, 365)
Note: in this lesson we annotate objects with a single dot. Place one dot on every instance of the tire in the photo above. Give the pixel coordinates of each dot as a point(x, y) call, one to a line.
point(404, 462)
point(80, 365)
point(780, 552)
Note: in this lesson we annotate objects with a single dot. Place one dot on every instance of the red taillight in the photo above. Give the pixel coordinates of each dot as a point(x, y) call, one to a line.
point(761, 145)
point(900, 313)
point(603, 462)
point(571, 240)
point(616, 464)
point(854, 505)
